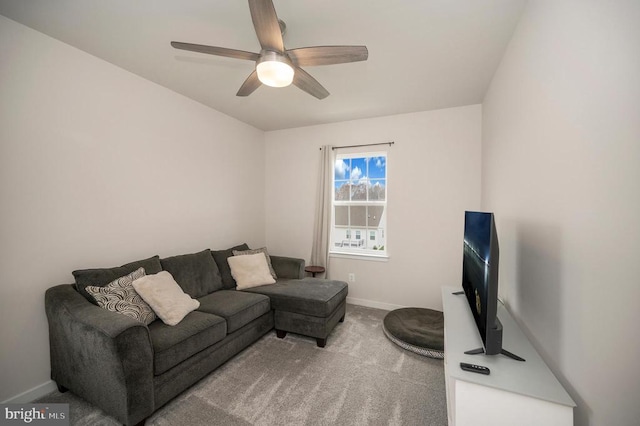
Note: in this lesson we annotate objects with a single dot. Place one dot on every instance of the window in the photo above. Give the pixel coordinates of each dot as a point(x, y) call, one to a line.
point(360, 204)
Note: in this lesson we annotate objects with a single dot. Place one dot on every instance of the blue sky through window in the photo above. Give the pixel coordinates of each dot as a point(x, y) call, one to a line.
point(359, 170)
point(342, 169)
point(377, 167)
point(354, 169)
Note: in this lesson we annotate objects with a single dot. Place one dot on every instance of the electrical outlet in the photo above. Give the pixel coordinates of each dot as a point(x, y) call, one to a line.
point(352, 277)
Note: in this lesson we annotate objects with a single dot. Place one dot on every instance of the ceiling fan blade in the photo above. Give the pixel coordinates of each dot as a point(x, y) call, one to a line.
point(213, 50)
point(327, 55)
point(304, 81)
point(265, 21)
point(249, 85)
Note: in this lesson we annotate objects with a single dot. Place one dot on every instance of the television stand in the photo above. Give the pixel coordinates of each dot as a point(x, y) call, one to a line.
point(481, 350)
point(515, 393)
point(502, 352)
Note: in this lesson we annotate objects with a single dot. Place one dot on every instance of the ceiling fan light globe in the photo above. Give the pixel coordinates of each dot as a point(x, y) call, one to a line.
point(275, 73)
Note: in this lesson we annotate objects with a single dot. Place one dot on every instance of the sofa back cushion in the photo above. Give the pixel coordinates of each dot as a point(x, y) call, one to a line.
point(100, 277)
point(220, 257)
point(196, 273)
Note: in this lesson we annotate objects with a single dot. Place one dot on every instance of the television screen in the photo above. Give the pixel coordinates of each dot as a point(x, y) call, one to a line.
point(480, 277)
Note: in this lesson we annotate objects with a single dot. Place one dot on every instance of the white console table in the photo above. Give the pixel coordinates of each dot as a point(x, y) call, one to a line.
point(515, 393)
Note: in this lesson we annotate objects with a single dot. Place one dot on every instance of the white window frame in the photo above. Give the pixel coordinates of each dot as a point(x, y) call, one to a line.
point(354, 249)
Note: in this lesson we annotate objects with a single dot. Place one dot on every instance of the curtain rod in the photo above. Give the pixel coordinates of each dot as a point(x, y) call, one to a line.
point(333, 148)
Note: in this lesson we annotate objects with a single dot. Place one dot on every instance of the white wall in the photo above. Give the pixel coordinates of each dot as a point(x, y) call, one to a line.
point(434, 175)
point(561, 169)
point(99, 167)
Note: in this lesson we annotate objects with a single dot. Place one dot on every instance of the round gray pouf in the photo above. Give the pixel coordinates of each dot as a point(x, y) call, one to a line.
point(417, 330)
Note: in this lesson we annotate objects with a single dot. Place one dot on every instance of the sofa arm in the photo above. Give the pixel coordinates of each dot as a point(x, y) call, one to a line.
point(102, 356)
point(288, 267)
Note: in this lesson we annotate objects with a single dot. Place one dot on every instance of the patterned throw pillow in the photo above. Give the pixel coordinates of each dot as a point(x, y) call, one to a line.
point(120, 296)
point(254, 251)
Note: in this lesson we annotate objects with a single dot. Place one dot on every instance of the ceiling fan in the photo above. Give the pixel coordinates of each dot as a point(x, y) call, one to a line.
point(275, 65)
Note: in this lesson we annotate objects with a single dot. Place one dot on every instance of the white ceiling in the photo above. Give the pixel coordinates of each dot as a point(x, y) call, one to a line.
point(423, 54)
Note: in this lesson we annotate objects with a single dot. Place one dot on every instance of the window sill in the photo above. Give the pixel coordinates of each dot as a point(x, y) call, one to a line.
point(358, 256)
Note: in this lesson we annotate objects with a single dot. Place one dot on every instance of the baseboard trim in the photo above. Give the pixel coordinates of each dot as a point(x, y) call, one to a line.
point(373, 304)
point(32, 394)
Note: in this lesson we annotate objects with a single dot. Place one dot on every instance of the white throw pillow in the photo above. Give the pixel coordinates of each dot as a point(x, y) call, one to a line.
point(165, 297)
point(250, 270)
point(254, 251)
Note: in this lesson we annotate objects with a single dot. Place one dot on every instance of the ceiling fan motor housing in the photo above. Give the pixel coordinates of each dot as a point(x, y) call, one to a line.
point(274, 69)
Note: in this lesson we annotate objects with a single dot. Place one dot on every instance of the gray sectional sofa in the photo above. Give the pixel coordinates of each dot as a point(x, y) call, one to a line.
point(130, 369)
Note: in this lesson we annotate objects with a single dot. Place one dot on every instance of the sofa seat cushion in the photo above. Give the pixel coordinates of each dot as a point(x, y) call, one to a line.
point(174, 344)
point(236, 307)
point(309, 296)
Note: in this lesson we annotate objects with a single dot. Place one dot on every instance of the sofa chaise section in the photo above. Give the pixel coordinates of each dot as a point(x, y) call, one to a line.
point(308, 306)
point(303, 305)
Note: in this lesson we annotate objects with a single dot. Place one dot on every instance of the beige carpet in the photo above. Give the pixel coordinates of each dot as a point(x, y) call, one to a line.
point(359, 378)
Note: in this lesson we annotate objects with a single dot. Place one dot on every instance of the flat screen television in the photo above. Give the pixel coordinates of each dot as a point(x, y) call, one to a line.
point(481, 256)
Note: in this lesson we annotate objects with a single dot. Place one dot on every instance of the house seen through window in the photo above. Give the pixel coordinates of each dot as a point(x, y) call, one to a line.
point(360, 204)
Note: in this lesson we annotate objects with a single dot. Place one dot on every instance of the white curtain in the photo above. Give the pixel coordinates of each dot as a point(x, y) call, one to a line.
point(322, 225)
